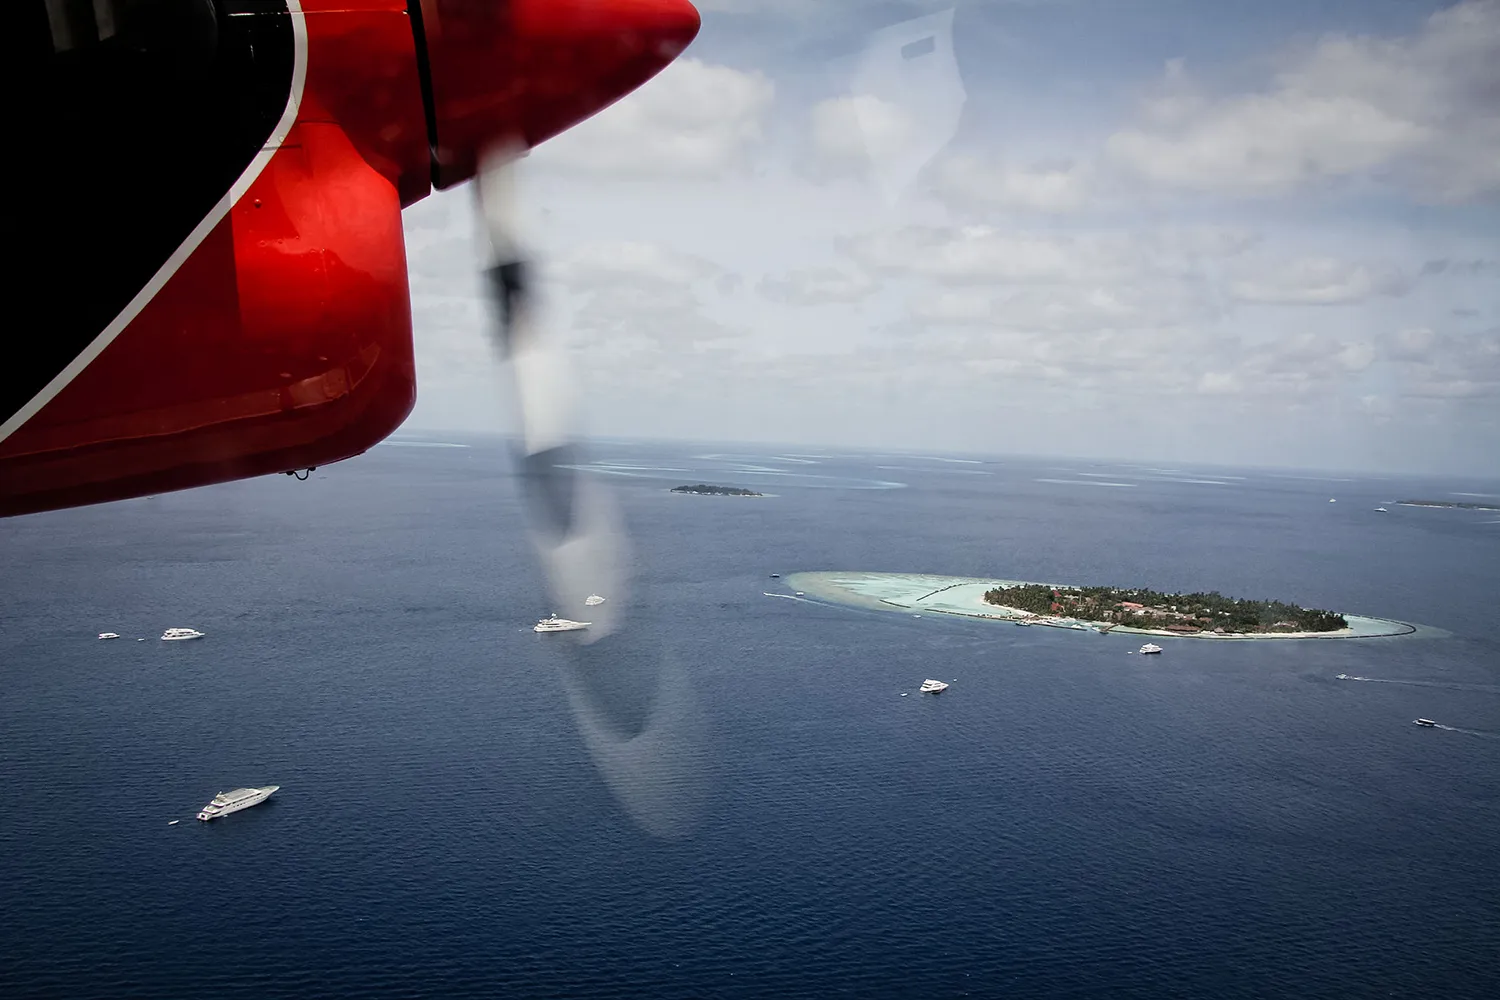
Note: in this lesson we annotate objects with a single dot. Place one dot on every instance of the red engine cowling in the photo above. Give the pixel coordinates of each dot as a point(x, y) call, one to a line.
point(246, 311)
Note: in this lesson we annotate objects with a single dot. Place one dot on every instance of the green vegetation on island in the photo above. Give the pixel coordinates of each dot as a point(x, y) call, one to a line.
point(703, 489)
point(1446, 503)
point(1150, 609)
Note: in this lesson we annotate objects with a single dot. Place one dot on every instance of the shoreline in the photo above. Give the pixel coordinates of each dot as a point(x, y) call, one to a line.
point(963, 597)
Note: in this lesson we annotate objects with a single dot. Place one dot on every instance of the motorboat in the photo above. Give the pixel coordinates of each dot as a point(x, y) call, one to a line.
point(109, 635)
point(1149, 648)
point(593, 600)
point(1381, 510)
point(930, 686)
point(176, 634)
point(1425, 722)
point(556, 624)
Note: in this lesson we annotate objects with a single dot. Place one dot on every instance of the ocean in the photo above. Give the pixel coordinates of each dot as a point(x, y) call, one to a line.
point(731, 798)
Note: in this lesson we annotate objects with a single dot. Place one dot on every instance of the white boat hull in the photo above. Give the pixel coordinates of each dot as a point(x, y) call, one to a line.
point(212, 812)
point(559, 625)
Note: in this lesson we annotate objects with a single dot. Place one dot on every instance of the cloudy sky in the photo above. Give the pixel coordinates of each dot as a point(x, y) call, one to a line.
point(1261, 233)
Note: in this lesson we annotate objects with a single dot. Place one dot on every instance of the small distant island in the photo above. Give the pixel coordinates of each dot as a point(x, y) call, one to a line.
point(703, 489)
point(1139, 608)
point(1446, 503)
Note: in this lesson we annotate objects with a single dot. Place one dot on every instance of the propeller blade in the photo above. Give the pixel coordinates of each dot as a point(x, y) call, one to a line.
point(629, 697)
point(575, 527)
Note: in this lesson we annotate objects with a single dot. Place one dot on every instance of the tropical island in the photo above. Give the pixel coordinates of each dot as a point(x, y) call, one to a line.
point(1446, 503)
point(1187, 614)
point(703, 489)
point(1111, 610)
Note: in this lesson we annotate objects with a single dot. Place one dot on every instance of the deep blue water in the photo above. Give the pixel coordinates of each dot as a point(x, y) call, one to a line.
point(1067, 820)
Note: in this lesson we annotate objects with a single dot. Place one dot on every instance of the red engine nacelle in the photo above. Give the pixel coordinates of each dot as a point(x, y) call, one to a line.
point(246, 311)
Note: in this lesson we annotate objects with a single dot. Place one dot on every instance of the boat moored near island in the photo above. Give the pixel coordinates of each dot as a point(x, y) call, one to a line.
point(1150, 648)
point(241, 798)
point(556, 624)
point(930, 686)
point(175, 634)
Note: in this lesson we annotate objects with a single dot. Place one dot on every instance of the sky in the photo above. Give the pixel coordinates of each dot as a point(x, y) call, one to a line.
point(1245, 234)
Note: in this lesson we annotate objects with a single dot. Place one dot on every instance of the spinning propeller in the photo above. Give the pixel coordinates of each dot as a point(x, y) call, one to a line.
point(504, 77)
point(575, 527)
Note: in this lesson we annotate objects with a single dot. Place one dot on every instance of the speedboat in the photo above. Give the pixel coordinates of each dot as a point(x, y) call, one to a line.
point(1150, 647)
point(109, 635)
point(930, 686)
point(1425, 722)
point(1381, 510)
point(592, 600)
point(556, 624)
point(174, 634)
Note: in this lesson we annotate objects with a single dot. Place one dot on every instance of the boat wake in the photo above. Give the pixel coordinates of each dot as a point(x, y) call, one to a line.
point(1468, 732)
point(1444, 685)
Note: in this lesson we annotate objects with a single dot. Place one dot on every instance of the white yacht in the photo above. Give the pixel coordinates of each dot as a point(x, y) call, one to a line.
point(556, 624)
point(109, 635)
point(172, 634)
point(241, 798)
point(1150, 647)
point(593, 600)
point(1424, 722)
point(930, 686)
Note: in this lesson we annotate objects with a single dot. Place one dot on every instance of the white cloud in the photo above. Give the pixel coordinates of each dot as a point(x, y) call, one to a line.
point(819, 286)
point(983, 254)
point(1445, 365)
point(850, 133)
point(970, 181)
point(632, 263)
point(1316, 281)
point(693, 120)
point(1414, 344)
point(1143, 304)
point(631, 297)
point(1356, 356)
point(1423, 111)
